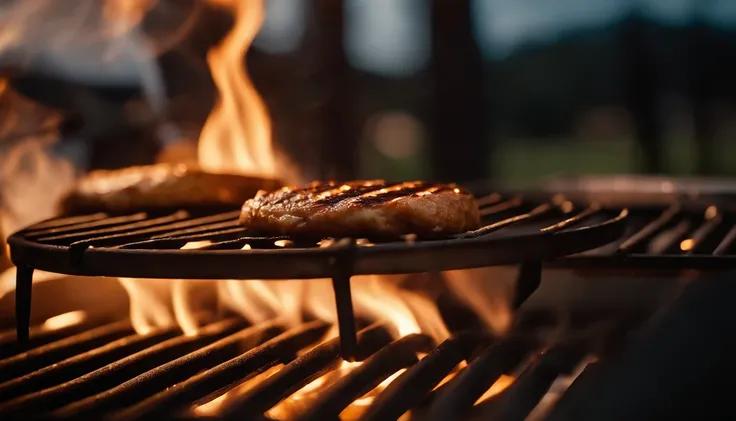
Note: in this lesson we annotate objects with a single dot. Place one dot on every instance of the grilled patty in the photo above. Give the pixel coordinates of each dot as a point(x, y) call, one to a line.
point(362, 209)
point(159, 186)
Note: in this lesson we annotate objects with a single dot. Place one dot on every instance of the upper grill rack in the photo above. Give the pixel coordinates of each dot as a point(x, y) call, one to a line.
point(146, 245)
point(150, 245)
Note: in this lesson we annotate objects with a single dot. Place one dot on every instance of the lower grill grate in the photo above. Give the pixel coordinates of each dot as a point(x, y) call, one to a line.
point(110, 372)
point(675, 237)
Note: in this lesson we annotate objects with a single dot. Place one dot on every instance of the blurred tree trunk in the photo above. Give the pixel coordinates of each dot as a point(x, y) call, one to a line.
point(340, 137)
point(642, 93)
point(460, 146)
point(701, 91)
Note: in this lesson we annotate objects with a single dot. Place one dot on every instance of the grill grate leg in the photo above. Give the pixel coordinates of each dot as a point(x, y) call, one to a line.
point(345, 317)
point(23, 288)
point(528, 280)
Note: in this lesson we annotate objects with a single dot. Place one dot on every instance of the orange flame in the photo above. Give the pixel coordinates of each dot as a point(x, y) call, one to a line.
point(237, 135)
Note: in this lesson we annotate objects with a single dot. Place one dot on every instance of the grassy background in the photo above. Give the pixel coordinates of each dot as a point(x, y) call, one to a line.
point(532, 159)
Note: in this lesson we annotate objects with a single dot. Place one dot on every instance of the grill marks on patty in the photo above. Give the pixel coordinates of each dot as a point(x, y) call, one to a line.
point(362, 193)
point(373, 207)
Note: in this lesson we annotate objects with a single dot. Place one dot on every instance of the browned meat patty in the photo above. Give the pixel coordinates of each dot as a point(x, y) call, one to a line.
point(160, 186)
point(363, 209)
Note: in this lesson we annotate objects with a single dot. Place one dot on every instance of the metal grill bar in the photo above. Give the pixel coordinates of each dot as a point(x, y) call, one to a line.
point(518, 401)
point(458, 397)
point(71, 220)
point(141, 225)
point(399, 354)
point(650, 229)
point(178, 397)
point(38, 336)
point(409, 389)
point(178, 370)
point(298, 373)
point(117, 372)
point(97, 221)
point(673, 238)
point(80, 364)
point(36, 358)
point(175, 374)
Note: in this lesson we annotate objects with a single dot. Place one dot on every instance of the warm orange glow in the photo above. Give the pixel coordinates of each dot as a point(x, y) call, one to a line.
point(180, 297)
point(491, 299)
point(149, 300)
point(304, 397)
point(711, 212)
point(214, 406)
point(7, 279)
point(183, 312)
point(65, 320)
point(368, 398)
point(499, 386)
point(687, 244)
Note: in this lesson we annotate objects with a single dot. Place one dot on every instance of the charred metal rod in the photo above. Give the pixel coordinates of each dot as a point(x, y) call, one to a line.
point(84, 225)
point(725, 244)
point(40, 336)
point(180, 396)
point(576, 219)
point(125, 228)
point(524, 394)
point(81, 364)
point(113, 374)
point(172, 243)
point(295, 375)
point(487, 229)
point(488, 200)
point(701, 235)
point(166, 375)
point(40, 357)
point(462, 391)
point(577, 392)
point(498, 208)
point(195, 226)
point(527, 281)
point(345, 317)
point(64, 222)
point(135, 235)
point(23, 290)
point(410, 388)
point(212, 232)
point(636, 241)
point(399, 354)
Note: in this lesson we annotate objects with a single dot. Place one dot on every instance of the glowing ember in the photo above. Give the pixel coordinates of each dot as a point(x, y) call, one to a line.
point(65, 320)
point(370, 396)
point(499, 386)
point(214, 406)
point(304, 397)
point(687, 244)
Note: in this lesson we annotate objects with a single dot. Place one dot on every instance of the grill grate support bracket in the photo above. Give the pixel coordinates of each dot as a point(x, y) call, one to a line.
point(23, 291)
